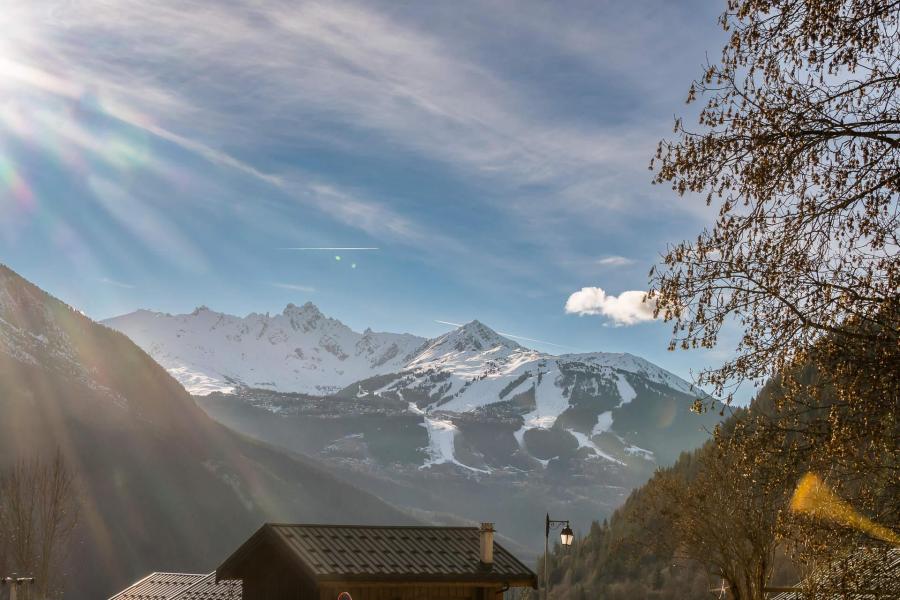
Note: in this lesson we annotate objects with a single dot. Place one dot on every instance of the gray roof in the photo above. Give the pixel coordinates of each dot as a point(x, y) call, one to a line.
point(210, 589)
point(158, 586)
point(386, 553)
point(181, 586)
point(866, 574)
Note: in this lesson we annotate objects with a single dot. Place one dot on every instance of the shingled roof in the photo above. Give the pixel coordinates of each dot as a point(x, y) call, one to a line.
point(363, 553)
point(158, 586)
point(210, 589)
point(181, 586)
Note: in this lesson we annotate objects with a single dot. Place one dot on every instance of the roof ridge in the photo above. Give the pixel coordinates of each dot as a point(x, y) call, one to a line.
point(346, 526)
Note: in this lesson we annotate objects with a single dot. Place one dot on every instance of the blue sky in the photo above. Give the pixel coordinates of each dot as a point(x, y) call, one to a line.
point(163, 155)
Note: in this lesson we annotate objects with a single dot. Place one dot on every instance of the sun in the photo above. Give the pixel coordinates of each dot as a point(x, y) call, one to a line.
point(15, 27)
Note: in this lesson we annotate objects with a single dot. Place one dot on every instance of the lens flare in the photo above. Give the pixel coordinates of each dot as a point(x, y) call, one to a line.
point(15, 184)
point(814, 498)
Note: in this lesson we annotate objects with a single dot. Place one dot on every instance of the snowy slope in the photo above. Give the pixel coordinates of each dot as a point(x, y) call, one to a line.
point(476, 372)
point(299, 350)
point(630, 363)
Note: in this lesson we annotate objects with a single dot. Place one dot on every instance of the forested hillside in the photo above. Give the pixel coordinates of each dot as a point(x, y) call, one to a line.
point(729, 509)
point(633, 553)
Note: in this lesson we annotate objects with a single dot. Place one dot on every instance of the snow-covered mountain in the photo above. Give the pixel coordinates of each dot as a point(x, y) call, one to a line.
point(299, 350)
point(559, 404)
point(550, 404)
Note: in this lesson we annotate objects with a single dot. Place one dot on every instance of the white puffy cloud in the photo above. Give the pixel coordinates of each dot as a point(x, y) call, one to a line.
point(627, 308)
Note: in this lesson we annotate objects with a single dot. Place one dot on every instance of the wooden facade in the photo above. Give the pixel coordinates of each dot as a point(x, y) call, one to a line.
point(411, 592)
point(268, 575)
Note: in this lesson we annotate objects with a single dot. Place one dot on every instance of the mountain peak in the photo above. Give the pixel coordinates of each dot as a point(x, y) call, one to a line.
point(474, 324)
point(476, 336)
point(308, 309)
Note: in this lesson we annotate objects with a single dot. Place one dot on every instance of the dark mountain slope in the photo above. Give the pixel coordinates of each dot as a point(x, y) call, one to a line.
point(161, 486)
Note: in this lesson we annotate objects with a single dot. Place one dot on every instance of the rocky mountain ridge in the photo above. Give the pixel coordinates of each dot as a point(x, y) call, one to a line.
point(300, 350)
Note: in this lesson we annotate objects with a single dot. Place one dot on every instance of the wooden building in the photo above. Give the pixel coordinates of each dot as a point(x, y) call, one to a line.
point(320, 562)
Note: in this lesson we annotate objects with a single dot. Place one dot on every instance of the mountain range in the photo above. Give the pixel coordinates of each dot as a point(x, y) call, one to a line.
point(471, 370)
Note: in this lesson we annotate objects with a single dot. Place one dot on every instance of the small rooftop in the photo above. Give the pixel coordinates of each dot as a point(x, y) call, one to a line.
point(181, 586)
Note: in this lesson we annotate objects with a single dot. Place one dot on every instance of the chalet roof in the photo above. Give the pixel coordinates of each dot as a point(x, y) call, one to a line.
point(158, 586)
point(181, 586)
point(866, 574)
point(363, 553)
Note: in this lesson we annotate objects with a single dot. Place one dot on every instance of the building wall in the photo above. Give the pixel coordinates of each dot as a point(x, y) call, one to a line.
point(409, 592)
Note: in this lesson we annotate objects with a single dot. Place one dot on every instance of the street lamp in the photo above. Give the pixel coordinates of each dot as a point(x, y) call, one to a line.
point(565, 537)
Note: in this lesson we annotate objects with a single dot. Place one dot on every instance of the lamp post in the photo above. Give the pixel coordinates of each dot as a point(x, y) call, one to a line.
point(565, 537)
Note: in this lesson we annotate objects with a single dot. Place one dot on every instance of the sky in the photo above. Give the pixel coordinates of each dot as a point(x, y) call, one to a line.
point(469, 160)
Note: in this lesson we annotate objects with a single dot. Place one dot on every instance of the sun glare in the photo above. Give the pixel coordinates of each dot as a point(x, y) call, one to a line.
point(813, 497)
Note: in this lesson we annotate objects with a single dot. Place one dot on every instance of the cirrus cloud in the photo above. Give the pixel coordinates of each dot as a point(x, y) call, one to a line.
point(628, 308)
point(615, 261)
point(294, 287)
